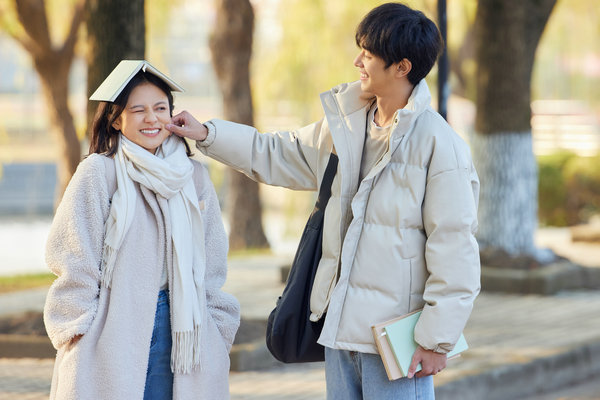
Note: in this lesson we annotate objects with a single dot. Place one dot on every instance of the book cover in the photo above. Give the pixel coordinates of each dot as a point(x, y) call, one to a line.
point(396, 344)
point(116, 81)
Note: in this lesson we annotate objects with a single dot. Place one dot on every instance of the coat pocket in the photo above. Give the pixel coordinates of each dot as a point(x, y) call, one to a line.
point(214, 345)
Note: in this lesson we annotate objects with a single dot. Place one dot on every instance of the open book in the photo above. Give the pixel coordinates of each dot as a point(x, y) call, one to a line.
point(114, 83)
point(396, 344)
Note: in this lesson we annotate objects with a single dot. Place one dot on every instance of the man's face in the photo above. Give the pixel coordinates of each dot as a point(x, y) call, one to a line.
point(374, 77)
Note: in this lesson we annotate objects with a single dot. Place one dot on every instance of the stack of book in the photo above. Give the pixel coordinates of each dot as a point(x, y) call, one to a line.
point(396, 344)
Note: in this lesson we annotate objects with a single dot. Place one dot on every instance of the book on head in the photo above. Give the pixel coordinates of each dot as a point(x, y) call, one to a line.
point(116, 81)
point(396, 344)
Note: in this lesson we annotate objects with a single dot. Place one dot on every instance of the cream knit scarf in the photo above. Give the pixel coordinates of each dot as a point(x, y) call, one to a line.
point(169, 175)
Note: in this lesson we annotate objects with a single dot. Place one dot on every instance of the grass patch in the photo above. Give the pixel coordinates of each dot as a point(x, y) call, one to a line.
point(22, 282)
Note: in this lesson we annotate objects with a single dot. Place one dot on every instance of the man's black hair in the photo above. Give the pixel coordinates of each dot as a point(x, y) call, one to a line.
point(394, 31)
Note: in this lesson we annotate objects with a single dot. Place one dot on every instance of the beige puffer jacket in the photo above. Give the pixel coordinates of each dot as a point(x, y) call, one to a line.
point(400, 240)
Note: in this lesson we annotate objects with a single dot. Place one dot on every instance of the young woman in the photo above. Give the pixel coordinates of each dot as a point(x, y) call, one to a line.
point(139, 250)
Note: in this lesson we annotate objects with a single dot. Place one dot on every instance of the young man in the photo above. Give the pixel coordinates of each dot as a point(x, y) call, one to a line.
point(399, 227)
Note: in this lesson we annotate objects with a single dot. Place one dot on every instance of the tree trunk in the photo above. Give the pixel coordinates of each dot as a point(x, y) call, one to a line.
point(56, 92)
point(507, 35)
point(231, 48)
point(53, 63)
point(116, 30)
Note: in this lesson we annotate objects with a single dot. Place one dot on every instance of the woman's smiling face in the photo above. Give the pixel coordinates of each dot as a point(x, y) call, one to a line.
point(144, 118)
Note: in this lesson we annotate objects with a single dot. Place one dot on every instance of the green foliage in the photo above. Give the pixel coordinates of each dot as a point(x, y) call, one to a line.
point(461, 47)
point(9, 21)
point(158, 23)
point(567, 57)
point(315, 52)
point(569, 188)
point(316, 49)
point(22, 282)
point(582, 175)
point(552, 192)
point(58, 13)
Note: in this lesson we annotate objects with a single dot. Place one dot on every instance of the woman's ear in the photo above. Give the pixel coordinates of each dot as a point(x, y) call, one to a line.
point(403, 67)
point(117, 124)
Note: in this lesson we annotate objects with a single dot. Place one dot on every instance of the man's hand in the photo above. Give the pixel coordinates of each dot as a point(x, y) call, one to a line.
point(431, 363)
point(185, 125)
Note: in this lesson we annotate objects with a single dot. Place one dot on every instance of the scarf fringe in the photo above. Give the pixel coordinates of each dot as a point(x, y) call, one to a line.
point(108, 263)
point(185, 351)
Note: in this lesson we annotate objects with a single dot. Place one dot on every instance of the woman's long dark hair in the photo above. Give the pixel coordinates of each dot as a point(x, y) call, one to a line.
point(105, 138)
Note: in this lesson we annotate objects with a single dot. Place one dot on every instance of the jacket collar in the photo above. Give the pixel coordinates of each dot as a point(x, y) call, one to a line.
point(419, 99)
point(345, 110)
point(343, 101)
point(349, 98)
point(346, 113)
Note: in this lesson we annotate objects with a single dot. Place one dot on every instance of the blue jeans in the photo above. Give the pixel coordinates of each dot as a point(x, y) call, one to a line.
point(356, 376)
point(159, 378)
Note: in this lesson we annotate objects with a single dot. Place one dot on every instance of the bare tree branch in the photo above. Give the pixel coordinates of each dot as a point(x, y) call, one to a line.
point(32, 15)
point(22, 39)
point(76, 21)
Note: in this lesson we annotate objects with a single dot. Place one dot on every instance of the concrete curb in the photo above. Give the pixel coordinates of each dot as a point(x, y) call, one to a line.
point(591, 277)
point(251, 356)
point(244, 357)
point(546, 280)
point(510, 381)
point(540, 375)
point(22, 346)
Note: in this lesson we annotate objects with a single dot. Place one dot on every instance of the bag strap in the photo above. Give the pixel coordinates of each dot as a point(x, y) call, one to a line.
point(325, 189)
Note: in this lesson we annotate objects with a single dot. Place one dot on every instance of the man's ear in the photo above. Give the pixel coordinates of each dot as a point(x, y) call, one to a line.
point(403, 67)
point(117, 124)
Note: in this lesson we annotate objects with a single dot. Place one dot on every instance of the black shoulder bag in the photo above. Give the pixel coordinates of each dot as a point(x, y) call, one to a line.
point(291, 335)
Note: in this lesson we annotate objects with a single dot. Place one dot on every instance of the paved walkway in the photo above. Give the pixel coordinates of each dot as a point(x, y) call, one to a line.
point(519, 345)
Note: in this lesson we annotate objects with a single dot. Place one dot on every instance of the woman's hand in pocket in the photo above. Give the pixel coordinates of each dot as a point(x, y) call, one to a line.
point(74, 340)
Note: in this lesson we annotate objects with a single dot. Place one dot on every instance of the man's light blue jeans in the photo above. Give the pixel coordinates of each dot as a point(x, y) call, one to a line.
point(360, 376)
point(159, 378)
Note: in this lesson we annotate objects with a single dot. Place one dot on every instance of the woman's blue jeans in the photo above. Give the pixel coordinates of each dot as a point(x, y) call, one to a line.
point(360, 376)
point(159, 378)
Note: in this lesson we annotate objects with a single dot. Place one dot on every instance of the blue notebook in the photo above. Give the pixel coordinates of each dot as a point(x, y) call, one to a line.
point(400, 337)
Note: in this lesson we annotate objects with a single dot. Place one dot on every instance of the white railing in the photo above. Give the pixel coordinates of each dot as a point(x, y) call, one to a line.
point(564, 125)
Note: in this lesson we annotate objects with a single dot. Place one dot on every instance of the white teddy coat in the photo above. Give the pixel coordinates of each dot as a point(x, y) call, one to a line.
point(110, 360)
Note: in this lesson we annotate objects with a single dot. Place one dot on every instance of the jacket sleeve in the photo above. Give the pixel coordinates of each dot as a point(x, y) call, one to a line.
point(223, 307)
point(451, 255)
point(74, 252)
point(287, 159)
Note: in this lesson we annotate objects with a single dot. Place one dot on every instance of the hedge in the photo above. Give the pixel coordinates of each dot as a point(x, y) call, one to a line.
point(569, 188)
